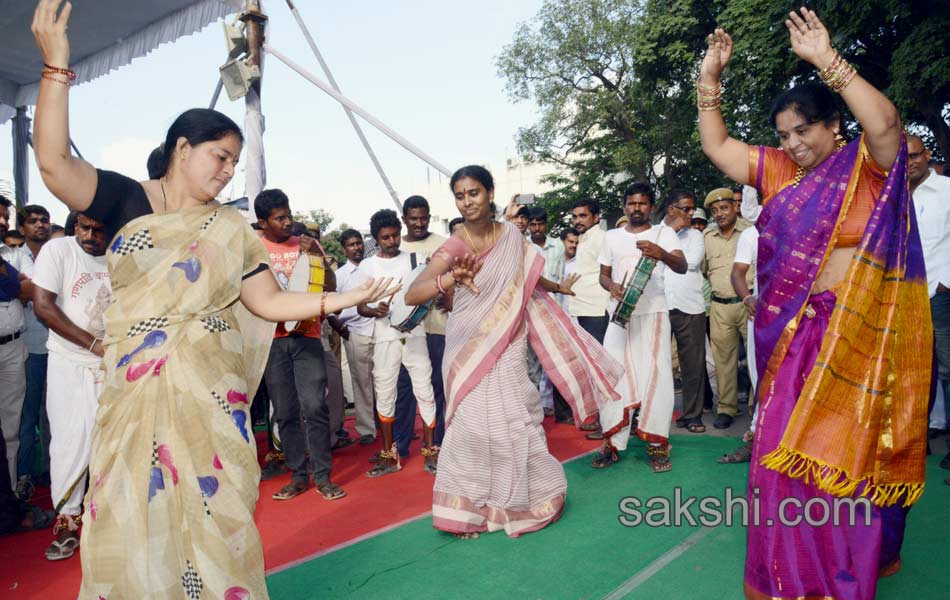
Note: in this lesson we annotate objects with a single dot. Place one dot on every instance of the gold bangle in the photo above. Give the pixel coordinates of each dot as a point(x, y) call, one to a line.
point(838, 74)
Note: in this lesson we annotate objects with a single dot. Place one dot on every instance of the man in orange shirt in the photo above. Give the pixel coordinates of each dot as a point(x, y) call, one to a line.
point(296, 376)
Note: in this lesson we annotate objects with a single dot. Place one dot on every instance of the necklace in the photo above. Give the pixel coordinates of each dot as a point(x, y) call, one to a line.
point(800, 171)
point(472, 241)
point(161, 182)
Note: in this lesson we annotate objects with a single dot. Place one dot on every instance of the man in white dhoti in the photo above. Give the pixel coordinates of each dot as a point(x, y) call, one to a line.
point(71, 293)
point(393, 348)
point(644, 346)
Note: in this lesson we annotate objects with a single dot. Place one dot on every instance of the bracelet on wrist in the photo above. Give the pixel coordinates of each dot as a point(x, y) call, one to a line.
point(69, 73)
point(93, 344)
point(838, 74)
point(708, 98)
point(323, 304)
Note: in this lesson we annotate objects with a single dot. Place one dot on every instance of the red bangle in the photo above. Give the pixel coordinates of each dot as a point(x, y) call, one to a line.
point(323, 305)
point(67, 72)
point(438, 284)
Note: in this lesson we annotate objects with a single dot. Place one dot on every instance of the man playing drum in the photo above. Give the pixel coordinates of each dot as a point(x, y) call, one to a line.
point(392, 347)
point(295, 375)
point(643, 346)
point(424, 243)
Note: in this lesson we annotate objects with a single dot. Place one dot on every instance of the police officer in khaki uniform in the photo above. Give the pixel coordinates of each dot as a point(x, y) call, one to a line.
point(727, 318)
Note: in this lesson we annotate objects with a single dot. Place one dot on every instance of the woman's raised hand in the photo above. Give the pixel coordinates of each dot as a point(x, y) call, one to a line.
point(464, 269)
point(718, 53)
point(49, 30)
point(373, 289)
point(809, 38)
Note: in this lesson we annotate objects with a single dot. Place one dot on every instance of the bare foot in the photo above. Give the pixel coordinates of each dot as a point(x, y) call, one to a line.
point(467, 536)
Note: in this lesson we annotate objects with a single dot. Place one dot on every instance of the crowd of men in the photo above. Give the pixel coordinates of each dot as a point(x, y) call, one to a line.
point(691, 329)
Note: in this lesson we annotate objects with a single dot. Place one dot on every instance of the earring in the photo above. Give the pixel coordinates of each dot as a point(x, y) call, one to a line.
point(840, 142)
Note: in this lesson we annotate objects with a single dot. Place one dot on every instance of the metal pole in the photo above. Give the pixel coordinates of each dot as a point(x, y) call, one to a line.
point(255, 175)
point(217, 93)
point(349, 113)
point(357, 109)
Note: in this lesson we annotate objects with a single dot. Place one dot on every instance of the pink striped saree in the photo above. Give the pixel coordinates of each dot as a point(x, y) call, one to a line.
point(495, 471)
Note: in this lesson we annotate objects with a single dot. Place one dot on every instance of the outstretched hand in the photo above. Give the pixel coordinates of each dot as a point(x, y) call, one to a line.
point(718, 53)
point(49, 30)
point(810, 40)
point(567, 284)
point(464, 269)
point(373, 289)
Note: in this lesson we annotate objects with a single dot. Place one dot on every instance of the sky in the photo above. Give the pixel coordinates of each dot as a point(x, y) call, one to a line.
point(425, 68)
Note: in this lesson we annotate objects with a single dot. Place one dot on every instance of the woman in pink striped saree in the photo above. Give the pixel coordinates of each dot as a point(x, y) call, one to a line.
point(495, 471)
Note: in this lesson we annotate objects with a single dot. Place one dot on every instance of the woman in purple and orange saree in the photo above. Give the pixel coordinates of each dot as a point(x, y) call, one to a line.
point(494, 470)
point(842, 329)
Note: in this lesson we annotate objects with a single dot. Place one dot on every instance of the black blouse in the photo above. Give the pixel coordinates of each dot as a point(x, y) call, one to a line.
point(119, 200)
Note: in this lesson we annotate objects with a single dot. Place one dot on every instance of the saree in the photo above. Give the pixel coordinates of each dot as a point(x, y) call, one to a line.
point(174, 472)
point(843, 392)
point(495, 471)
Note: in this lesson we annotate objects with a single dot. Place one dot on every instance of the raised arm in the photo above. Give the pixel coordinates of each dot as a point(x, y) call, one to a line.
point(69, 178)
point(876, 114)
point(728, 154)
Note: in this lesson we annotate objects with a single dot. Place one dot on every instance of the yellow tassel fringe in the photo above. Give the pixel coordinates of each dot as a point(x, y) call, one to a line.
point(835, 480)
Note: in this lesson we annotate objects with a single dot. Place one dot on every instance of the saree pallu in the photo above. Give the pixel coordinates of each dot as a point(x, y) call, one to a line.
point(495, 471)
point(174, 472)
point(843, 389)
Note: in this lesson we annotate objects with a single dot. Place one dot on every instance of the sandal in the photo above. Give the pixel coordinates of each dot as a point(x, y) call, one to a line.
point(330, 491)
point(431, 455)
point(291, 490)
point(695, 428)
point(388, 463)
point(606, 457)
point(67, 537)
point(659, 457)
point(742, 454)
point(61, 550)
point(342, 442)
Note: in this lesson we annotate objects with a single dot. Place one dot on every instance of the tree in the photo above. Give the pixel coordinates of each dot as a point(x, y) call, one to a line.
point(899, 47)
point(614, 82)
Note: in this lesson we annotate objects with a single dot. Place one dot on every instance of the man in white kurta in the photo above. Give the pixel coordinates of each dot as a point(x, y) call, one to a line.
point(72, 293)
point(644, 345)
point(393, 348)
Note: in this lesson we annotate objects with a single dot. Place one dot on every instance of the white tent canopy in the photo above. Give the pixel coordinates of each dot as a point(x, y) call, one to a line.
point(104, 35)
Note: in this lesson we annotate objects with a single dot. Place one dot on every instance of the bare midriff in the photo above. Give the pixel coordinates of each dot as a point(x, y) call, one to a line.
point(834, 271)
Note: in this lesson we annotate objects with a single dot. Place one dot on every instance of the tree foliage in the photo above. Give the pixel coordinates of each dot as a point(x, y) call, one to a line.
point(613, 81)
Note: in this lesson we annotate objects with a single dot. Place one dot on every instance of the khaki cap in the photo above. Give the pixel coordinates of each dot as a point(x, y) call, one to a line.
point(718, 194)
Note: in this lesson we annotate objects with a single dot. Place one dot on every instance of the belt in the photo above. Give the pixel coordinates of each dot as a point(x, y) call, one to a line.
point(733, 300)
point(6, 339)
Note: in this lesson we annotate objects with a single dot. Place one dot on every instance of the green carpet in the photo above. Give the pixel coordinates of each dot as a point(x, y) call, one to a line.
point(589, 554)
